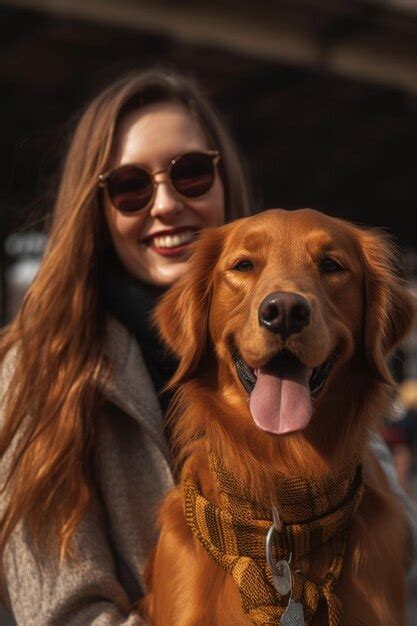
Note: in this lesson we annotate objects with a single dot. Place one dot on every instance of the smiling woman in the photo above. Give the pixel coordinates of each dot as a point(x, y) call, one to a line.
point(84, 456)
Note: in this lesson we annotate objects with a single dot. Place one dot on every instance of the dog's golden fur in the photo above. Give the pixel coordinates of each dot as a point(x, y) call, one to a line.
point(362, 310)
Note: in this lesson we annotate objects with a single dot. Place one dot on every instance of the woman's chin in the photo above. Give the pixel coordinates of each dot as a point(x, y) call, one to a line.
point(158, 270)
point(166, 274)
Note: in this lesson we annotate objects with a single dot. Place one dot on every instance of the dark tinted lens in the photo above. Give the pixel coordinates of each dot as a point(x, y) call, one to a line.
point(193, 174)
point(130, 188)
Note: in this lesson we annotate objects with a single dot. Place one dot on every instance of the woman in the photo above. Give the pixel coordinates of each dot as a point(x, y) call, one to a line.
point(86, 485)
point(85, 457)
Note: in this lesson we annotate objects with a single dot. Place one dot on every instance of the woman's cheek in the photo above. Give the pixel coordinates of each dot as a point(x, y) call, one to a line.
point(126, 227)
point(214, 212)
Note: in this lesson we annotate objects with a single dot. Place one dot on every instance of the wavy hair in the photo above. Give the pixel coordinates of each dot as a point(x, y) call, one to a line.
point(56, 341)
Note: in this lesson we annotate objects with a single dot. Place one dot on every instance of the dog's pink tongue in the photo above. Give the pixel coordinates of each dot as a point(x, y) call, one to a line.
point(281, 405)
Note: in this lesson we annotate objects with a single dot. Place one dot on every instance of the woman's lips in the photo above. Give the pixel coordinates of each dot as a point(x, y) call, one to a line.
point(171, 242)
point(178, 251)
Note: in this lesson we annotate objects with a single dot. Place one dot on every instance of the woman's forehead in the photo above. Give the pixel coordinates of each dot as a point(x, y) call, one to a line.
point(166, 127)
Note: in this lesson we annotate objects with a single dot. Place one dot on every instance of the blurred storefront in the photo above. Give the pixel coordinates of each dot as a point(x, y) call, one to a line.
point(24, 252)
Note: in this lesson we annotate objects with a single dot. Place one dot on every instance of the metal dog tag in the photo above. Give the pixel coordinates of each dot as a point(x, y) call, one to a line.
point(280, 570)
point(281, 576)
point(293, 614)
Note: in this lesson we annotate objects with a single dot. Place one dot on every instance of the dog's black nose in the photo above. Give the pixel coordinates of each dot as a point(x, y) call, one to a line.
point(284, 313)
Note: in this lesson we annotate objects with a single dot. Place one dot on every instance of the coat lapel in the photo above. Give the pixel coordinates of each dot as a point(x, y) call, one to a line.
point(131, 387)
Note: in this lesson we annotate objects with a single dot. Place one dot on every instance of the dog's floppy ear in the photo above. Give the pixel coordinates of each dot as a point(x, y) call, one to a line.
point(390, 308)
point(182, 314)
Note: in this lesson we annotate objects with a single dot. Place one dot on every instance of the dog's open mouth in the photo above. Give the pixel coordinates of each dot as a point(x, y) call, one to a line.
point(281, 391)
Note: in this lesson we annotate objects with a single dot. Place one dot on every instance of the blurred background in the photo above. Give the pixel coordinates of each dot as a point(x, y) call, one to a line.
point(320, 95)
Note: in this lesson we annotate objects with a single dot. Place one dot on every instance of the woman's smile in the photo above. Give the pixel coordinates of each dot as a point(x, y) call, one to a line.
point(172, 241)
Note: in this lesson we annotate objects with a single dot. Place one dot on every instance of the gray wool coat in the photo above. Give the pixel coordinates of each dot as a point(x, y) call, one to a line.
point(132, 473)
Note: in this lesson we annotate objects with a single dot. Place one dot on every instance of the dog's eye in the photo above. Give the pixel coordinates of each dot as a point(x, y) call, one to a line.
point(243, 266)
point(330, 266)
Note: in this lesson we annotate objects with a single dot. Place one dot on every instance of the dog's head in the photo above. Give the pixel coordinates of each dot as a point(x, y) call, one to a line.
point(285, 302)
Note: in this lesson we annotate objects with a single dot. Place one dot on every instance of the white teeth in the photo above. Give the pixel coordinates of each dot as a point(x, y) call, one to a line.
point(173, 241)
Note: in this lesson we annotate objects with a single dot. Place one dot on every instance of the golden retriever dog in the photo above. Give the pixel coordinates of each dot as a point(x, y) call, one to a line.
point(283, 325)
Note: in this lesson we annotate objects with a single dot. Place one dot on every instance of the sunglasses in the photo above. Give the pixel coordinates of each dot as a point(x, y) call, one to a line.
point(132, 188)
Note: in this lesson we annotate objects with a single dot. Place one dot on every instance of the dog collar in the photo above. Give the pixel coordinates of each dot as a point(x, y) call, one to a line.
point(234, 537)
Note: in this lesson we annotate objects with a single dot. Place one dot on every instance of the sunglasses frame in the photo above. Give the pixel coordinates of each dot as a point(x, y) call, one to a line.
point(103, 178)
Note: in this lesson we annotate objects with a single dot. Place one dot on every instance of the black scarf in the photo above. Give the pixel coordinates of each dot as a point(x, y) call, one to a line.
point(132, 301)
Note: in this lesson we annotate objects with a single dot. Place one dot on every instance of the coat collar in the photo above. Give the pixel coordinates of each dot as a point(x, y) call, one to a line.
point(131, 388)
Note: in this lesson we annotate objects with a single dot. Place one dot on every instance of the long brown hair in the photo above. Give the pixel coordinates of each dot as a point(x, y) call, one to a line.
point(54, 346)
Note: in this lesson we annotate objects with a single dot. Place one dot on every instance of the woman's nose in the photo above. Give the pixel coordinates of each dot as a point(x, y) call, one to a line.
point(166, 202)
